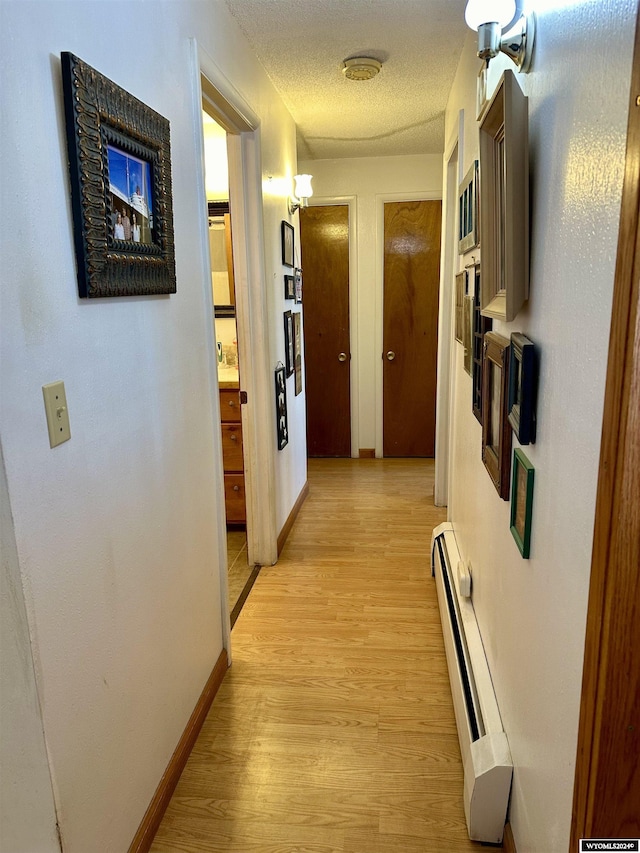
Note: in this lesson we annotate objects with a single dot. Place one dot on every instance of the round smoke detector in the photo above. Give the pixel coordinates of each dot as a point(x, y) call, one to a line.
point(361, 68)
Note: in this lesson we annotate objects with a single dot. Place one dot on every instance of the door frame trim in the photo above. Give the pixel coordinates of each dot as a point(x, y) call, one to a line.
point(446, 314)
point(381, 199)
point(354, 389)
point(607, 734)
point(245, 187)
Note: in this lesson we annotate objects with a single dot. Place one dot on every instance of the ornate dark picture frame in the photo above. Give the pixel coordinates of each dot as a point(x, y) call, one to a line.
point(523, 387)
point(496, 432)
point(107, 127)
point(522, 502)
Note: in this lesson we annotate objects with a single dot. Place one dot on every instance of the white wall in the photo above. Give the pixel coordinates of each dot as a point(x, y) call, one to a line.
point(532, 613)
point(367, 179)
point(116, 531)
point(27, 812)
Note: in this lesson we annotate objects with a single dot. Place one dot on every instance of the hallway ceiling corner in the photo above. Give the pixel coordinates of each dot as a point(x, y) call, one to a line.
point(302, 45)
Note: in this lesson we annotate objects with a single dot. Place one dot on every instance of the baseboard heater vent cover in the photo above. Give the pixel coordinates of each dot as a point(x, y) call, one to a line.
point(486, 757)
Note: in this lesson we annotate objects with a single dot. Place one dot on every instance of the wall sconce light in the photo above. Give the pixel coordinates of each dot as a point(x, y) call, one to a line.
point(302, 192)
point(502, 26)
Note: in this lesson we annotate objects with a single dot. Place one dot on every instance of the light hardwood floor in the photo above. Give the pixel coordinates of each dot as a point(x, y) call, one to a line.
point(333, 731)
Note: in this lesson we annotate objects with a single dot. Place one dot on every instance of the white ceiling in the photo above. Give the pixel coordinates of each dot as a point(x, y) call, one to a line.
point(302, 44)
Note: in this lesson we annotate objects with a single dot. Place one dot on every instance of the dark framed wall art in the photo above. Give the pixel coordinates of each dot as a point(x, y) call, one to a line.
point(461, 292)
point(282, 426)
point(121, 193)
point(297, 350)
point(288, 342)
point(496, 432)
point(480, 326)
point(289, 287)
point(287, 244)
point(298, 286)
point(522, 502)
point(523, 383)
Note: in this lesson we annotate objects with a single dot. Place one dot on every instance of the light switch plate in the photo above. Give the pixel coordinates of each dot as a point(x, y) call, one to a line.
point(55, 404)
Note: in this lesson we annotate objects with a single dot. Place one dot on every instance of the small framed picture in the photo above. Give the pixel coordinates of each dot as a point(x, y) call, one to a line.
point(281, 408)
point(297, 350)
point(496, 433)
point(288, 342)
point(467, 320)
point(298, 285)
point(289, 287)
point(480, 326)
point(523, 381)
point(287, 244)
point(461, 290)
point(468, 211)
point(522, 501)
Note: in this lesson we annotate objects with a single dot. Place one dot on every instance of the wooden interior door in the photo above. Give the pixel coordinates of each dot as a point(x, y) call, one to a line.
point(410, 326)
point(324, 239)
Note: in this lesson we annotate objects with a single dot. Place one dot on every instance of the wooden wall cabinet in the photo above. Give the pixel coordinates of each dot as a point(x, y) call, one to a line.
point(232, 456)
point(504, 201)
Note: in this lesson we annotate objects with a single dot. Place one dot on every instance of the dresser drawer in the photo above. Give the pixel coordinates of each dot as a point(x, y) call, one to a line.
point(232, 447)
point(234, 498)
point(229, 406)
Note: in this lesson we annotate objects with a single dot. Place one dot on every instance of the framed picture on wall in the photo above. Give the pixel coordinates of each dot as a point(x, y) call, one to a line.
point(467, 318)
point(480, 326)
point(121, 194)
point(496, 432)
point(287, 244)
point(288, 342)
point(282, 427)
point(468, 210)
point(297, 350)
point(298, 286)
point(289, 287)
point(461, 290)
point(522, 502)
point(523, 382)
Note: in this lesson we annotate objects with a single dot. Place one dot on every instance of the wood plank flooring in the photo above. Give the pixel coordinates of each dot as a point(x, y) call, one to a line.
point(333, 731)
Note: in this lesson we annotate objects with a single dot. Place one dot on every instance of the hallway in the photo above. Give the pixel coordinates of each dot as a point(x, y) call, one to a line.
point(334, 728)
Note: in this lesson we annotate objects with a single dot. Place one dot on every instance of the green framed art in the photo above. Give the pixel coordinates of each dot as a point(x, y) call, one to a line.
point(521, 501)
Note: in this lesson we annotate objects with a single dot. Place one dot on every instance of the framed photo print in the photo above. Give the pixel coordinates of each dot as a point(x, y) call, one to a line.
point(461, 290)
point(522, 502)
point(287, 244)
point(289, 287)
point(297, 350)
point(298, 285)
point(282, 427)
point(496, 432)
point(467, 317)
point(121, 194)
point(480, 326)
point(468, 211)
point(288, 342)
point(523, 381)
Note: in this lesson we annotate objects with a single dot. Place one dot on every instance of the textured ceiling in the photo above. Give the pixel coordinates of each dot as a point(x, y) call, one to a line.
point(302, 44)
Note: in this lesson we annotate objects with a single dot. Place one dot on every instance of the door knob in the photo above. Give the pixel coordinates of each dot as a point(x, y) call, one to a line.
point(391, 355)
point(342, 356)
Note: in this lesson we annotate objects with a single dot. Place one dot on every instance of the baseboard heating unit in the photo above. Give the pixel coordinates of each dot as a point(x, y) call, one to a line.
point(486, 758)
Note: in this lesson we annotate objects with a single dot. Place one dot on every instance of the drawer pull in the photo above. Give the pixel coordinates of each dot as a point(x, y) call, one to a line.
point(391, 355)
point(232, 403)
point(236, 488)
point(233, 436)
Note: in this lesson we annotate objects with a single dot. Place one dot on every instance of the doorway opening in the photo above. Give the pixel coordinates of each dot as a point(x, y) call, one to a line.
point(240, 574)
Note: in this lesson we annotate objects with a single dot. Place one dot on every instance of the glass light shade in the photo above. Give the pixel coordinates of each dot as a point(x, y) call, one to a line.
point(489, 11)
point(303, 186)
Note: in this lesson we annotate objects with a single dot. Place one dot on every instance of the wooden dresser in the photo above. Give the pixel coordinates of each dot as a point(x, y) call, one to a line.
point(232, 456)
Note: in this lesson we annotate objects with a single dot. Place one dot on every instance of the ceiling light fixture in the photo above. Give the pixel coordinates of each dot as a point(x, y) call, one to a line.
point(302, 192)
point(502, 26)
point(361, 68)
